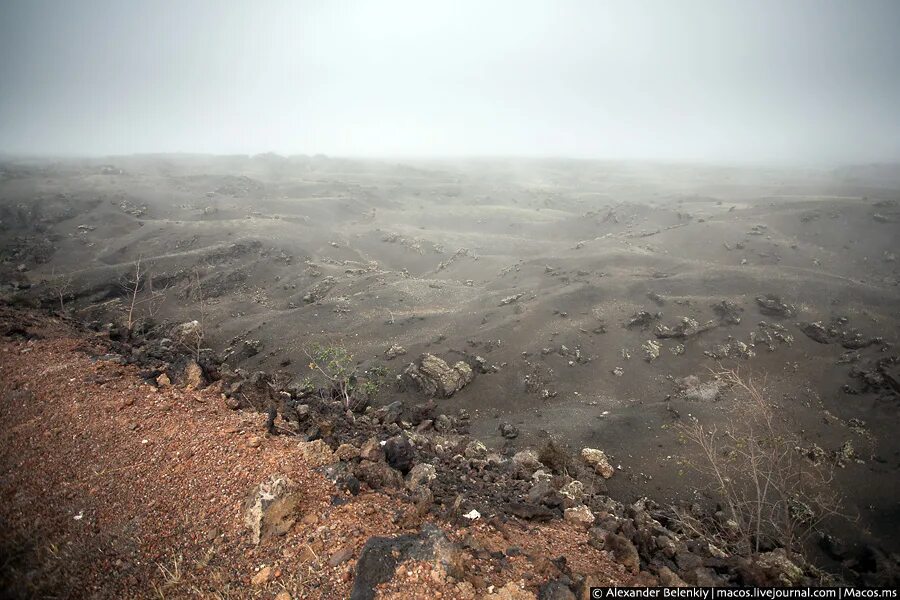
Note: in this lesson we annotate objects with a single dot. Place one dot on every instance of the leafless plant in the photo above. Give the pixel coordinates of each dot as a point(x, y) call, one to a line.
point(192, 338)
point(172, 577)
point(61, 286)
point(140, 295)
point(768, 490)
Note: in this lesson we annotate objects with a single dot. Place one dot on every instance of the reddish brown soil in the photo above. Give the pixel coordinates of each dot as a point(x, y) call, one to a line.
point(114, 489)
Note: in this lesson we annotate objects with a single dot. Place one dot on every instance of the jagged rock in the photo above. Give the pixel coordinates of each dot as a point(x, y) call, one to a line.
point(642, 319)
point(775, 568)
point(391, 413)
point(510, 299)
point(372, 450)
point(380, 557)
point(508, 430)
point(730, 349)
point(422, 412)
point(271, 508)
point(394, 351)
point(686, 328)
point(598, 460)
point(580, 516)
point(475, 450)
point(420, 476)
point(524, 463)
point(316, 453)
point(435, 377)
point(728, 312)
point(572, 491)
point(378, 475)
point(623, 551)
point(543, 493)
point(346, 452)
point(189, 334)
point(399, 453)
point(651, 350)
point(443, 424)
point(772, 305)
point(193, 376)
point(816, 332)
point(341, 475)
point(693, 390)
point(705, 577)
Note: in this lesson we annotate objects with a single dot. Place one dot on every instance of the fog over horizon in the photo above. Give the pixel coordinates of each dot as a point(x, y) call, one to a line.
point(700, 80)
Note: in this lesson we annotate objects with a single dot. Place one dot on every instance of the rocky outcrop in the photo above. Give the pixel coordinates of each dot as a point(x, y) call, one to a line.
point(434, 377)
point(774, 306)
point(598, 460)
point(271, 508)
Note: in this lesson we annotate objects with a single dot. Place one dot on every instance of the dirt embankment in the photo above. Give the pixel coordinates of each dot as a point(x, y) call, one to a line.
point(116, 485)
point(114, 488)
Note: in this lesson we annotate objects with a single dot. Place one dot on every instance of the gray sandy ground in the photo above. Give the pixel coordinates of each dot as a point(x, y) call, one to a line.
point(374, 253)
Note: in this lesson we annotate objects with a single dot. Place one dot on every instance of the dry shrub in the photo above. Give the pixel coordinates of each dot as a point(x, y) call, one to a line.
point(769, 493)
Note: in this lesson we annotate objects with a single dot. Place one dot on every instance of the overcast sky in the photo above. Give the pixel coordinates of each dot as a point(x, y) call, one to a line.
point(718, 80)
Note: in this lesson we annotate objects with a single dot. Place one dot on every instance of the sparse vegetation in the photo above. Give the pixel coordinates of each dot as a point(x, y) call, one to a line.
point(61, 286)
point(141, 299)
point(334, 366)
point(190, 335)
point(770, 494)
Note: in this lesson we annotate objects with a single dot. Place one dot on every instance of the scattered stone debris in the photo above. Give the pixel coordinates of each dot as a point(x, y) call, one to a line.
point(651, 350)
point(774, 306)
point(642, 319)
point(816, 332)
point(435, 377)
point(845, 454)
point(686, 328)
point(767, 333)
point(394, 351)
point(690, 388)
point(508, 430)
point(834, 331)
point(728, 312)
point(319, 291)
point(814, 453)
point(731, 348)
point(758, 229)
point(380, 557)
point(511, 299)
